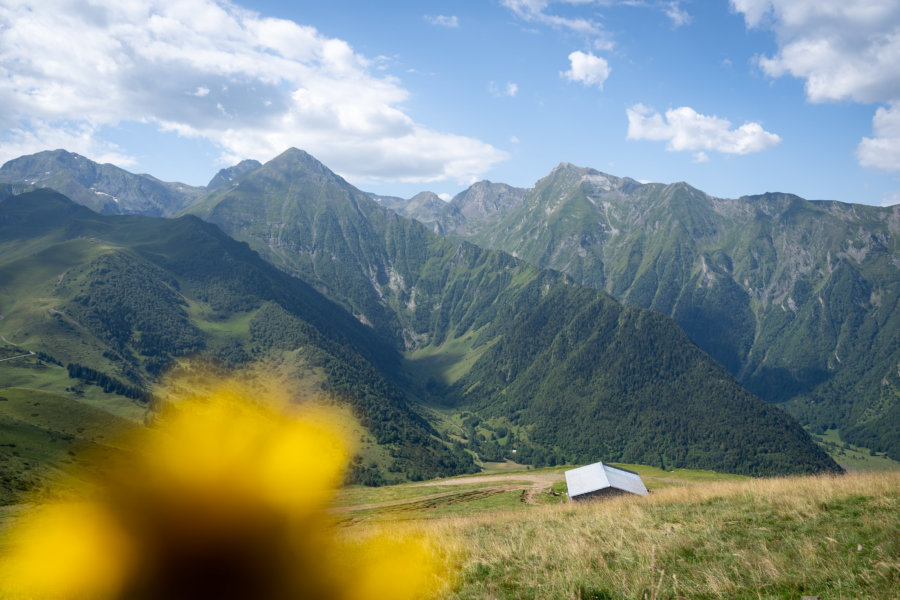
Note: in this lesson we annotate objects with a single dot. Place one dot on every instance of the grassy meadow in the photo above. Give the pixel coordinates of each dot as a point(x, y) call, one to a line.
point(511, 534)
point(852, 457)
point(834, 537)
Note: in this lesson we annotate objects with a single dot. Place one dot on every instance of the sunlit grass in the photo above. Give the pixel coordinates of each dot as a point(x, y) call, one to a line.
point(838, 537)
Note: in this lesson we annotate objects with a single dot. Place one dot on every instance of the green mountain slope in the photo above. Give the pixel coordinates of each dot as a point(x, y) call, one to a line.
point(119, 298)
point(426, 295)
point(797, 299)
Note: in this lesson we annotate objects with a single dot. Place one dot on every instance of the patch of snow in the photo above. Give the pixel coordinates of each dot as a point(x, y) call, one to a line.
point(99, 193)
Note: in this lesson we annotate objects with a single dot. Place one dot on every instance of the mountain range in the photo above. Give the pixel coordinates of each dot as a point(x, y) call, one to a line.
point(447, 344)
point(798, 299)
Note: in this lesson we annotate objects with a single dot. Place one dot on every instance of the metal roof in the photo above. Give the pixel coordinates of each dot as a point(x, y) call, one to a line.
point(598, 476)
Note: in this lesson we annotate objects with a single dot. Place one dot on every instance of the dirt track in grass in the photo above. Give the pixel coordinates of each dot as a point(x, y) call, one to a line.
point(487, 485)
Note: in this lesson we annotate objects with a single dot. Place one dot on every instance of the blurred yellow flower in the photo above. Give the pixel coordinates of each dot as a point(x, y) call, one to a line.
point(224, 498)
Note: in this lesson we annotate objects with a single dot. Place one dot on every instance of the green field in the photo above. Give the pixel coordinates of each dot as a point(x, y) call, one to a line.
point(774, 538)
point(42, 432)
point(854, 458)
point(488, 492)
point(697, 535)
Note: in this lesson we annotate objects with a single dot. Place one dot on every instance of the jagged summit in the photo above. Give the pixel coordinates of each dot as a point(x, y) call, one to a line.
point(229, 175)
point(598, 179)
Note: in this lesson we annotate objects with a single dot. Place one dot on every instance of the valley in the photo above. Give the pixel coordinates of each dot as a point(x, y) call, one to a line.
point(451, 355)
point(469, 379)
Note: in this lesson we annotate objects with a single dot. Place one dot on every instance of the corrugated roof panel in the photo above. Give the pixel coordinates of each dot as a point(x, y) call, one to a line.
point(586, 479)
point(625, 480)
point(598, 476)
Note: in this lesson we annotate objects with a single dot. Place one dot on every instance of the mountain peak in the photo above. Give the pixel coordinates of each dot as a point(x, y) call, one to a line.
point(567, 169)
point(228, 175)
point(566, 166)
point(104, 188)
point(426, 196)
point(59, 157)
point(295, 162)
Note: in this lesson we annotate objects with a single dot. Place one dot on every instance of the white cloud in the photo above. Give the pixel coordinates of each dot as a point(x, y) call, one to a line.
point(255, 86)
point(514, 140)
point(445, 197)
point(589, 22)
point(80, 138)
point(883, 150)
point(701, 157)
point(843, 51)
point(451, 22)
point(687, 130)
point(678, 15)
point(510, 89)
point(891, 199)
point(587, 69)
point(536, 11)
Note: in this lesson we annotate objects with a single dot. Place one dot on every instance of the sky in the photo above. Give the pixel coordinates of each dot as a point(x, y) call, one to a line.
point(734, 97)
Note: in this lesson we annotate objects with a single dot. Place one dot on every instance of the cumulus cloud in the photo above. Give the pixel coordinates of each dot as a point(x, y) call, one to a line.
point(587, 69)
point(883, 150)
point(678, 15)
point(209, 69)
point(843, 51)
point(687, 130)
point(451, 22)
point(80, 138)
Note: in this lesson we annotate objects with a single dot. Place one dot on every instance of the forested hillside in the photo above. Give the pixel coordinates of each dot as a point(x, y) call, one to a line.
point(797, 299)
point(122, 297)
point(425, 293)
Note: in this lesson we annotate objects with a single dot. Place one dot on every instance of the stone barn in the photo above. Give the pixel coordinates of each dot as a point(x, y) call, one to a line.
point(602, 481)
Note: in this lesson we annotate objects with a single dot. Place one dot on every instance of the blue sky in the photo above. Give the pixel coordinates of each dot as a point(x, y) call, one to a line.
point(733, 96)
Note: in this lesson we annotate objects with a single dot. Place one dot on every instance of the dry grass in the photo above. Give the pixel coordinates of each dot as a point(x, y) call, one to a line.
point(838, 537)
